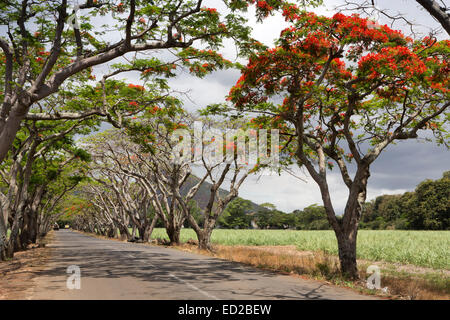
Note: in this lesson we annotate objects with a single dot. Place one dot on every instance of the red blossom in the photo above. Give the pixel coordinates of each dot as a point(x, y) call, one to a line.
point(209, 10)
point(136, 86)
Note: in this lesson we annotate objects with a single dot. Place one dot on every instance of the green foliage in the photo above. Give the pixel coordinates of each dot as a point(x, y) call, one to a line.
point(427, 208)
point(312, 218)
point(433, 203)
point(235, 216)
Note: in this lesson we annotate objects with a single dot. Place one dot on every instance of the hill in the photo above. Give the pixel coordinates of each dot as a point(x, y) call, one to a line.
point(203, 194)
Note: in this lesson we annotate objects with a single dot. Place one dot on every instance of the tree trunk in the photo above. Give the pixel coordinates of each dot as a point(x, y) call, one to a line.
point(33, 215)
point(23, 236)
point(437, 12)
point(149, 230)
point(204, 239)
point(2, 249)
point(9, 130)
point(347, 234)
point(18, 245)
point(346, 228)
point(173, 232)
point(347, 254)
point(13, 243)
point(111, 232)
point(29, 230)
point(124, 233)
point(3, 239)
point(25, 232)
point(203, 234)
point(34, 228)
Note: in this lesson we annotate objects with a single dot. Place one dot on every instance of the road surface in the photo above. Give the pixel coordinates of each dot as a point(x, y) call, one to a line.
point(118, 270)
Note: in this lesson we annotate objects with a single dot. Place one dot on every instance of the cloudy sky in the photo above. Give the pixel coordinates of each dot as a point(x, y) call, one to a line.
point(399, 168)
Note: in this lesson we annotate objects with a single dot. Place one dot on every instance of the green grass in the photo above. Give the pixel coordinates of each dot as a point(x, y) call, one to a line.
point(420, 248)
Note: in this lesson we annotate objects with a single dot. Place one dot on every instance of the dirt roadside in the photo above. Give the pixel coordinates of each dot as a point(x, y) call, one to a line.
point(402, 281)
point(17, 275)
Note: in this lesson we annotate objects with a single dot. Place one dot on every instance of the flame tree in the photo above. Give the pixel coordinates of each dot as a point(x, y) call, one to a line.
point(341, 91)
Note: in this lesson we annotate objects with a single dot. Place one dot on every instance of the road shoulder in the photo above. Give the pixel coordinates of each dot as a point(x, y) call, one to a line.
point(17, 276)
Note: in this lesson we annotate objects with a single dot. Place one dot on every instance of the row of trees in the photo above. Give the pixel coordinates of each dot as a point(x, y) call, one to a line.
point(135, 180)
point(241, 214)
point(50, 95)
point(44, 165)
point(349, 88)
point(426, 208)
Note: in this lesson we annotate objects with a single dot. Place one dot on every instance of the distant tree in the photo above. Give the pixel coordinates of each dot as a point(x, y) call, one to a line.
point(289, 220)
point(236, 215)
point(313, 217)
point(427, 208)
point(263, 218)
point(279, 220)
point(388, 207)
point(370, 218)
point(268, 205)
point(433, 203)
point(270, 217)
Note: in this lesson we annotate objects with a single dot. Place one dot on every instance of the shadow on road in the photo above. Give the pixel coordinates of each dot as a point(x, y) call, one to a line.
point(105, 259)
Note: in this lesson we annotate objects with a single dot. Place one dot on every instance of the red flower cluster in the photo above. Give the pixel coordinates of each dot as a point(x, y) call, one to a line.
point(392, 61)
point(356, 27)
point(209, 10)
point(317, 43)
point(163, 68)
point(136, 86)
point(264, 5)
point(290, 12)
point(154, 109)
point(120, 7)
point(293, 69)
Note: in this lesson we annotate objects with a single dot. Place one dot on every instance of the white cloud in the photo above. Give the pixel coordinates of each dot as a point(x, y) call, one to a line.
point(289, 193)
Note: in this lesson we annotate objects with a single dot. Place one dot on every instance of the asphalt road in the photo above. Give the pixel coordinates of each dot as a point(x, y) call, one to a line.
point(118, 270)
